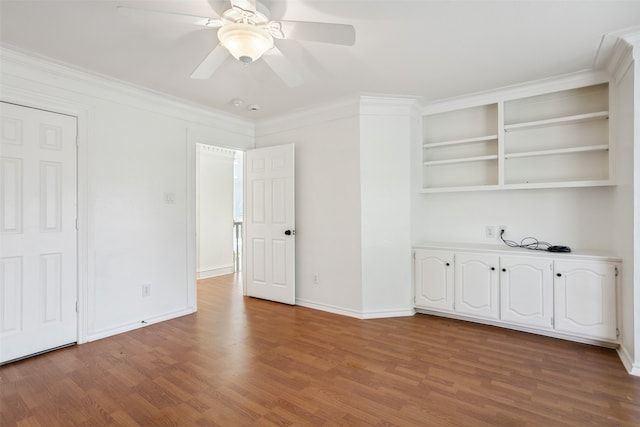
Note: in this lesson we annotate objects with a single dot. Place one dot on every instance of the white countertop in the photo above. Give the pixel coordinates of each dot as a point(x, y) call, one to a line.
point(503, 249)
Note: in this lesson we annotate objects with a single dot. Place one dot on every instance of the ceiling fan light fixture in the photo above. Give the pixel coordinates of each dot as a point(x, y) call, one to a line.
point(245, 42)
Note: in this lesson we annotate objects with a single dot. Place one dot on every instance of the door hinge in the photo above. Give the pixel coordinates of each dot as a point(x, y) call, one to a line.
point(617, 333)
point(616, 270)
point(77, 307)
point(552, 321)
point(77, 226)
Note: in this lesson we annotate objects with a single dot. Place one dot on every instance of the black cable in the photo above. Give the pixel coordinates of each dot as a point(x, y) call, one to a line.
point(533, 243)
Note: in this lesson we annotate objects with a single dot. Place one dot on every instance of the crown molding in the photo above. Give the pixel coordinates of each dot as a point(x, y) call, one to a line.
point(389, 105)
point(322, 113)
point(520, 90)
point(33, 71)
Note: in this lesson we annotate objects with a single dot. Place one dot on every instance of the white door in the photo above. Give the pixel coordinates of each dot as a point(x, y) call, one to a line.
point(476, 285)
point(270, 224)
point(434, 279)
point(527, 291)
point(585, 298)
point(38, 261)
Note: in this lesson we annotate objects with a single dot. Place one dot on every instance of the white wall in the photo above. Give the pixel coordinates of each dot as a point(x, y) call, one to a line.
point(214, 193)
point(625, 230)
point(134, 146)
point(327, 204)
point(577, 217)
point(388, 132)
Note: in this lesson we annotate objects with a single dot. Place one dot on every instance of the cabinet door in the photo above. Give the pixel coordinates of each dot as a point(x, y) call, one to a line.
point(476, 285)
point(585, 298)
point(434, 279)
point(526, 291)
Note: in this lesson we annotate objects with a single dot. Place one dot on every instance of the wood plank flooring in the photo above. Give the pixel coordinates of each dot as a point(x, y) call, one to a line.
point(242, 361)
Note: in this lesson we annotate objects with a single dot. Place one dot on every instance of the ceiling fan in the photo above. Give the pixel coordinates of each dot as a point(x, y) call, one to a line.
point(247, 32)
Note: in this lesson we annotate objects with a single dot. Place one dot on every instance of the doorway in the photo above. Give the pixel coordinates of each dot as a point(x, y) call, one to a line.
point(219, 210)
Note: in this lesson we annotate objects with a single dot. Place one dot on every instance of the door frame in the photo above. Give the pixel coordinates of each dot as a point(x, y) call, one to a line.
point(194, 138)
point(84, 264)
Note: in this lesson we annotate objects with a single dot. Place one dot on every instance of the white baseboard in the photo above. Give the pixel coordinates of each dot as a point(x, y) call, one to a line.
point(214, 272)
point(632, 368)
point(353, 313)
point(105, 333)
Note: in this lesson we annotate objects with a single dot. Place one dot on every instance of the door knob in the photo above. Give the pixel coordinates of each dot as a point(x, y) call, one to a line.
point(290, 232)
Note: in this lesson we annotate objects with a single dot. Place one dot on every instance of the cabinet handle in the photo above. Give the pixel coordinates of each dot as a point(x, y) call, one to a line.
point(493, 268)
point(504, 269)
point(448, 264)
point(559, 274)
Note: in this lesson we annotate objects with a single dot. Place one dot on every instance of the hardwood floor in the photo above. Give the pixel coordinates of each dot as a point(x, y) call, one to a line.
point(242, 361)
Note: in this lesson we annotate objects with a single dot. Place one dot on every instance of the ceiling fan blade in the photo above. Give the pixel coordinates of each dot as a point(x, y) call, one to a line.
point(210, 64)
point(175, 17)
point(245, 7)
point(283, 67)
point(314, 31)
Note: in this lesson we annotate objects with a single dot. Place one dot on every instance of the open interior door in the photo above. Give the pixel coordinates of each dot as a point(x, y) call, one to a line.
point(270, 224)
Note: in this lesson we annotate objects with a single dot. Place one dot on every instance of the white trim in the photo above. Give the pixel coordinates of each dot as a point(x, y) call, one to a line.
point(84, 210)
point(543, 332)
point(27, 67)
point(627, 361)
point(192, 263)
point(389, 105)
point(384, 314)
point(329, 308)
point(324, 113)
point(215, 272)
point(381, 314)
point(127, 327)
point(538, 87)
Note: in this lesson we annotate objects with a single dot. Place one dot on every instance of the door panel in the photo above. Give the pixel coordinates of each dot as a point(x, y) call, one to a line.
point(476, 285)
point(434, 279)
point(527, 291)
point(38, 261)
point(585, 295)
point(270, 257)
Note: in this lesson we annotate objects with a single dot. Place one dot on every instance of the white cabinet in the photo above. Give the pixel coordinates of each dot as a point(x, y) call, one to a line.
point(554, 138)
point(569, 296)
point(433, 275)
point(526, 288)
point(585, 298)
point(476, 285)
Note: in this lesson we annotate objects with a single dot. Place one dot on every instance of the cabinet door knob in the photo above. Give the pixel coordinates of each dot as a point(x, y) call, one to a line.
point(559, 274)
point(504, 269)
point(493, 268)
point(447, 264)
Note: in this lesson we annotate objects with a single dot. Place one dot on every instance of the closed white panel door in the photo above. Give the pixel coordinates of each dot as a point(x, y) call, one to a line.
point(527, 291)
point(434, 279)
point(476, 285)
point(37, 218)
point(585, 295)
point(270, 222)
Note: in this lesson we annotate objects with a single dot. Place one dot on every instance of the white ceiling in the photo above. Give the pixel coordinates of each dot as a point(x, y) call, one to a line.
point(429, 49)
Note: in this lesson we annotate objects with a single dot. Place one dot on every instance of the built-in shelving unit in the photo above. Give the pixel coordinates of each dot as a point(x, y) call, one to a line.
point(551, 139)
point(454, 155)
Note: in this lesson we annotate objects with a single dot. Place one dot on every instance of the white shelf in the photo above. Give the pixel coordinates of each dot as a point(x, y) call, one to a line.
point(461, 160)
point(461, 141)
point(603, 147)
point(558, 121)
point(553, 139)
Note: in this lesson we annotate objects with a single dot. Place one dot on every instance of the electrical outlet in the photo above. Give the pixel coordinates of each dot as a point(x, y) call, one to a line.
point(489, 231)
point(501, 229)
point(316, 279)
point(146, 290)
